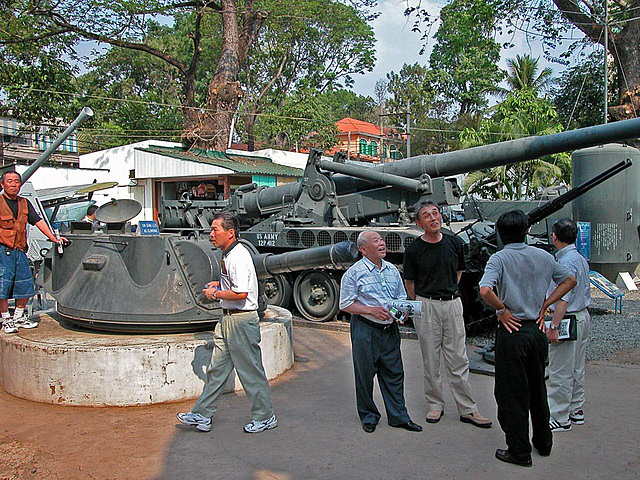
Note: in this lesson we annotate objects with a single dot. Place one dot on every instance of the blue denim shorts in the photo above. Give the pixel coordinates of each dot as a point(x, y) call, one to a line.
point(16, 280)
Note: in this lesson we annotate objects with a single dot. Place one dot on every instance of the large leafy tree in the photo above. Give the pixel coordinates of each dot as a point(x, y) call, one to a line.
point(465, 54)
point(554, 18)
point(304, 44)
point(579, 95)
point(303, 120)
point(555, 22)
point(412, 90)
point(522, 114)
point(124, 23)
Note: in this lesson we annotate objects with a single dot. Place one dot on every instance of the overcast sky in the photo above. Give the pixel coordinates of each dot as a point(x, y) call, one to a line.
point(396, 44)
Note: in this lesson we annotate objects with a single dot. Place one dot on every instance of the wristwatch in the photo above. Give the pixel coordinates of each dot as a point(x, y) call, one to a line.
point(500, 312)
point(553, 327)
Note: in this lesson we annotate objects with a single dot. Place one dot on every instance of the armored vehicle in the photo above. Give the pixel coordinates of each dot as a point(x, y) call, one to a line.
point(336, 200)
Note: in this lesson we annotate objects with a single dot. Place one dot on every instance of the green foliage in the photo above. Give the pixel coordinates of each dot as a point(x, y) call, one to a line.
point(465, 56)
point(579, 97)
point(27, 71)
point(303, 120)
point(345, 103)
point(521, 114)
point(304, 45)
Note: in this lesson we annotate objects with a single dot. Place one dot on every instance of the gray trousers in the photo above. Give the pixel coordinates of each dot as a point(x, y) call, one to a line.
point(565, 387)
point(236, 345)
point(440, 330)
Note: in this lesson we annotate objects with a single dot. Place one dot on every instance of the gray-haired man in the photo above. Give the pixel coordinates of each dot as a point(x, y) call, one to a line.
point(365, 292)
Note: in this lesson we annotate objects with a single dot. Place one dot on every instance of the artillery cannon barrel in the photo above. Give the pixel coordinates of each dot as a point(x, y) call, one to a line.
point(373, 175)
point(512, 151)
point(268, 264)
point(543, 211)
point(85, 114)
point(268, 200)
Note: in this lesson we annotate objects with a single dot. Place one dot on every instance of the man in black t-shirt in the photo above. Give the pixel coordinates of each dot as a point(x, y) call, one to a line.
point(433, 264)
point(16, 281)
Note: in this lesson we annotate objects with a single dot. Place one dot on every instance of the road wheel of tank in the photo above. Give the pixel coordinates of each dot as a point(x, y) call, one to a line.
point(316, 295)
point(277, 289)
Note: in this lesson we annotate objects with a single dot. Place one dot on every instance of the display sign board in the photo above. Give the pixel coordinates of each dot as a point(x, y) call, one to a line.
point(583, 242)
point(148, 227)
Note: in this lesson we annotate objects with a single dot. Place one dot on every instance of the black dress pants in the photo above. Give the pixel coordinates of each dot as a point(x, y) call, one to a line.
point(376, 351)
point(520, 388)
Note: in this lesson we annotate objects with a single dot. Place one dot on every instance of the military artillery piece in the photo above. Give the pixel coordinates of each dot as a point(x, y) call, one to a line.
point(337, 200)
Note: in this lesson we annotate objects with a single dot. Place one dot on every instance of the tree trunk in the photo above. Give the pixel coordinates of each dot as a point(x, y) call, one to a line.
point(210, 128)
point(249, 124)
point(628, 62)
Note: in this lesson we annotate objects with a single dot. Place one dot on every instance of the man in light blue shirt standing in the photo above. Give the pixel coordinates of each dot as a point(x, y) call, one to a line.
point(565, 387)
point(365, 292)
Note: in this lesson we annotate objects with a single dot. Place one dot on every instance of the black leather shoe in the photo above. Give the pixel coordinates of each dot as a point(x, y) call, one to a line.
point(369, 427)
point(412, 427)
point(508, 457)
point(543, 451)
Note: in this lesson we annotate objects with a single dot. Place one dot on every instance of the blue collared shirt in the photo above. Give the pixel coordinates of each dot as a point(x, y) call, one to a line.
point(579, 297)
point(369, 285)
point(521, 274)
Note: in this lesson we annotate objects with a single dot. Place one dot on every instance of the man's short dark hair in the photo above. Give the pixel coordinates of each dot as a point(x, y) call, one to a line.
point(423, 204)
point(229, 221)
point(512, 226)
point(91, 209)
point(10, 172)
point(566, 230)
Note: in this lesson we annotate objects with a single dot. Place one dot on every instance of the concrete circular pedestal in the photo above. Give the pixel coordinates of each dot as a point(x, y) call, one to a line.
point(62, 364)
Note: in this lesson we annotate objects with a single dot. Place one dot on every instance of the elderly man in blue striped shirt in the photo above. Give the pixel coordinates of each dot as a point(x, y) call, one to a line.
point(365, 292)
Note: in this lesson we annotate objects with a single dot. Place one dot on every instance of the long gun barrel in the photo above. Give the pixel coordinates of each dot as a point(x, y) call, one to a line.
point(543, 211)
point(85, 114)
point(512, 151)
point(340, 254)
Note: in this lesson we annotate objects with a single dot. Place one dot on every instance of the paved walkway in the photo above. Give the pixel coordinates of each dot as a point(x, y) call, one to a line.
point(319, 435)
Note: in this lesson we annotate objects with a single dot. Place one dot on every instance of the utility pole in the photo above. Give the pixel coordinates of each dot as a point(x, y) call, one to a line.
point(408, 128)
point(606, 49)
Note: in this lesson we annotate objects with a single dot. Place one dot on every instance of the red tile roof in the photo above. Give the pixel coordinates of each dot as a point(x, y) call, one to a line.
point(352, 125)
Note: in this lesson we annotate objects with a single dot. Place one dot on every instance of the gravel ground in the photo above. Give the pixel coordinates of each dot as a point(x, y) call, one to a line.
point(610, 331)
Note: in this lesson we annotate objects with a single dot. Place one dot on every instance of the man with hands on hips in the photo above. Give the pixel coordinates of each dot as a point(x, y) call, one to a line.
point(521, 275)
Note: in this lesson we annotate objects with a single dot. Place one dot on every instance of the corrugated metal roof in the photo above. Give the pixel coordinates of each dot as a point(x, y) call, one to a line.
point(236, 163)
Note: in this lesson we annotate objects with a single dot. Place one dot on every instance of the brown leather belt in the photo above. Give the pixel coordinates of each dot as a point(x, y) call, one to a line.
point(231, 312)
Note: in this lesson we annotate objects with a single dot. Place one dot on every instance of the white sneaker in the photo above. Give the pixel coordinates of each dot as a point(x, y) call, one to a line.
point(197, 420)
point(556, 426)
point(256, 427)
point(8, 326)
point(24, 322)
point(577, 416)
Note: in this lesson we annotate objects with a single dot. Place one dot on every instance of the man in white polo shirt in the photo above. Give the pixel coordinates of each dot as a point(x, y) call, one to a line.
point(236, 337)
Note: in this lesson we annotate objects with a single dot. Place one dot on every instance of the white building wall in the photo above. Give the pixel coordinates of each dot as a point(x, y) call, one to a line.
point(119, 161)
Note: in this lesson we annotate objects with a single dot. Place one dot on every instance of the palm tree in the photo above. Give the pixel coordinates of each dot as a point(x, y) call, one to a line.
point(523, 74)
point(521, 115)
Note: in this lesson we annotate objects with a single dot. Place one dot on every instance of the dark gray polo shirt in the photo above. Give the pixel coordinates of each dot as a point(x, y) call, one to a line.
point(521, 275)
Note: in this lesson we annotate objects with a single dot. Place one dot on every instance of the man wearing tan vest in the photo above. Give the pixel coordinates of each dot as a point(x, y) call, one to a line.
point(16, 280)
